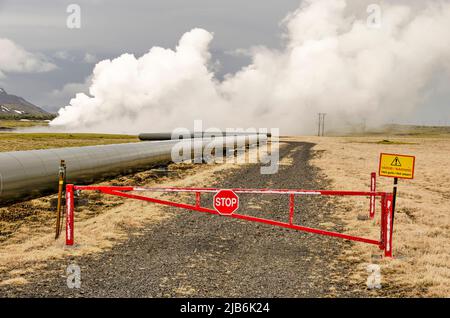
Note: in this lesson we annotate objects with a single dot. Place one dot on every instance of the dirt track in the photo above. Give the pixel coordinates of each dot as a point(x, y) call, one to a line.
point(195, 255)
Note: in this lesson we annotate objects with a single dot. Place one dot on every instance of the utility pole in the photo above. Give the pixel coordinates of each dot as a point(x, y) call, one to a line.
point(321, 128)
point(320, 124)
point(323, 124)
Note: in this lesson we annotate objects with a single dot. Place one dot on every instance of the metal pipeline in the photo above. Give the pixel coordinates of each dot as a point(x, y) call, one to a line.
point(30, 174)
point(168, 135)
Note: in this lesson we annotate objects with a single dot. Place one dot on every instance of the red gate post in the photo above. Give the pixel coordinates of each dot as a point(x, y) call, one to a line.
point(373, 187)
point(388, 226)
point(69, 214)
point(197, 199)
point(382, 222)
point(291, 208)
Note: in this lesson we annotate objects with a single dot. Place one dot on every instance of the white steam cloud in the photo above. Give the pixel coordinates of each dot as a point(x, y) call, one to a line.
point(331, 62)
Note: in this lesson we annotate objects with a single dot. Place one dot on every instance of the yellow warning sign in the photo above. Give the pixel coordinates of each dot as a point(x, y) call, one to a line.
point(396, 166)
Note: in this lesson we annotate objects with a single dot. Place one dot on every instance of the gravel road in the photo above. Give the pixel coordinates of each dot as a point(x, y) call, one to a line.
point(198, 255)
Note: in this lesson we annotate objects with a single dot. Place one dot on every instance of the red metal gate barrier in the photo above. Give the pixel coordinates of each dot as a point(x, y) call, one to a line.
point(384, 243)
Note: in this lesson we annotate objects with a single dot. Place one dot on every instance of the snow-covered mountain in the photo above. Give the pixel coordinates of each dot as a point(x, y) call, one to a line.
point(15, 105)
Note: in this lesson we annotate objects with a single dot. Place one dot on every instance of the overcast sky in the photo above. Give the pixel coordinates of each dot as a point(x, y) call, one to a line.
point(61, 58)
point(110, 28)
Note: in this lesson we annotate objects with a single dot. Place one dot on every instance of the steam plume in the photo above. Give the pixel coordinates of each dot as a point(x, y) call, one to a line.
point(330, 62)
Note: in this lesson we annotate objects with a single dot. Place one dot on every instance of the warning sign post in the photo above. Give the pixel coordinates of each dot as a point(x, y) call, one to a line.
point(396, 166)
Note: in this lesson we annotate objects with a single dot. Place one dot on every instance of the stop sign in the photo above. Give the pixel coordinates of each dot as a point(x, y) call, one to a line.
point(226, 202)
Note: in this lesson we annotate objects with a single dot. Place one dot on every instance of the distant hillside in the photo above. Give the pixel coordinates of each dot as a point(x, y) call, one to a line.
point(12, 105)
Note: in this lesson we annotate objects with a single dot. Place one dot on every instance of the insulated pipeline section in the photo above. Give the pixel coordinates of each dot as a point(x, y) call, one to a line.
point(168, 135)
point(30, 174)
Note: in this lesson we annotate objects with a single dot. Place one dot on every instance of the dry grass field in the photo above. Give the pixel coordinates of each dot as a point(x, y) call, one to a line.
point(31, 141)
point(7, 124)
point(422, 220)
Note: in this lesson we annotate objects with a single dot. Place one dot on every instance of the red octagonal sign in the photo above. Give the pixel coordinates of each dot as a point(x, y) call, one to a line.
point(226, 202)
